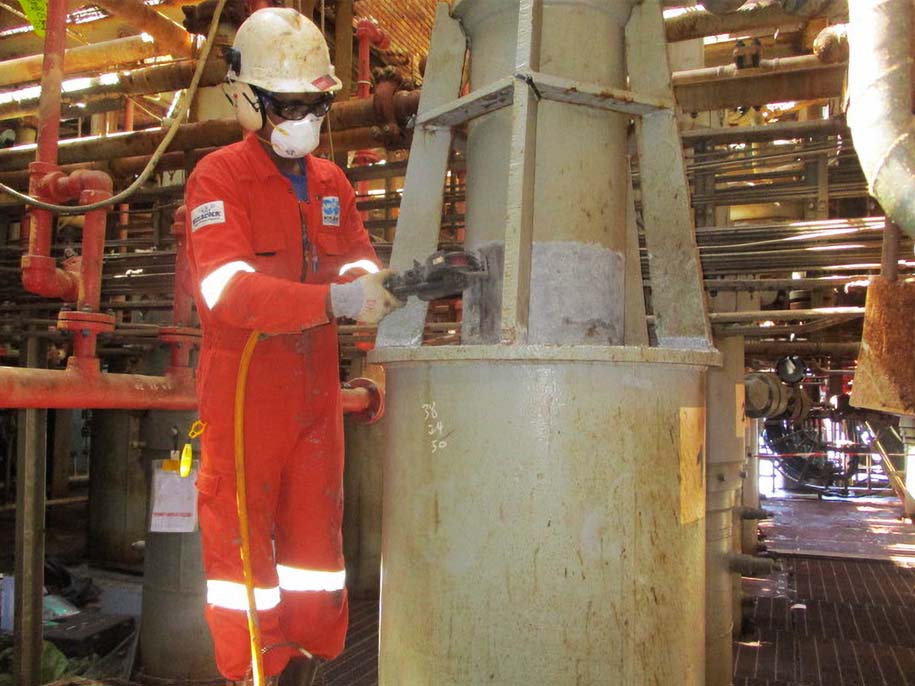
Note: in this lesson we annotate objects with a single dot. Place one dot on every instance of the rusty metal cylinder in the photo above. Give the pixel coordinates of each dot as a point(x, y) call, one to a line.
point(581, 173)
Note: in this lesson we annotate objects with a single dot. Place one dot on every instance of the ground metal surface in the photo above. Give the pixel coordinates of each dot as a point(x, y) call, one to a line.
point(838, 621)
point(358, 665)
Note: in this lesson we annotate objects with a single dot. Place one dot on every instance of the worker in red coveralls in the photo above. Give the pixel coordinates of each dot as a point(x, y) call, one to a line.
point(273, 234)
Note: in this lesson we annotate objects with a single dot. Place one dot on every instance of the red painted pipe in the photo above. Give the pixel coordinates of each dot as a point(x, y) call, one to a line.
point(39, 273)
point(84, 386)
point(368, 33)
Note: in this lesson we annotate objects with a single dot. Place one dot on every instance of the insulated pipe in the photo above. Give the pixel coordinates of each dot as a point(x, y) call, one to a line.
point(146, 80)
point(722, 6)
point(831, 44)
point(779, 64)
point(89, 58)
point(758, 86)
point(354, 114)
point(170, 37)
point(693, 25)
point(880, 110)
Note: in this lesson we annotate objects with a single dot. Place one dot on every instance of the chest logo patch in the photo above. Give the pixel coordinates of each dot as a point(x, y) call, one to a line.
point(208, 213)
point(330, 211)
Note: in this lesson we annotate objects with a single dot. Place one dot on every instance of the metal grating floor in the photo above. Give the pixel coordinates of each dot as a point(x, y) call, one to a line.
point(821, 622)
point(358, 664)
point(841, 623)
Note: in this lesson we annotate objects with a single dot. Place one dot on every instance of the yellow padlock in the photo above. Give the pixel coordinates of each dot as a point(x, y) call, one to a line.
point(187, 460)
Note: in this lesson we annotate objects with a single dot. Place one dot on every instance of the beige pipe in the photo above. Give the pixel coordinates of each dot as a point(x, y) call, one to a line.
point(96, 57)
point(171, 37)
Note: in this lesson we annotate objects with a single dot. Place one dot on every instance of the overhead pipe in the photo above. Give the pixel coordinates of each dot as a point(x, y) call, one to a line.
point(160, 78)
point(87, 58)
point(722, 6)
point(778, 64)
point(695, 25)
point(347, 117)
point(880, 109)
point(803, 78)
point(171, 37)
point(810, 8)
point(831, 44)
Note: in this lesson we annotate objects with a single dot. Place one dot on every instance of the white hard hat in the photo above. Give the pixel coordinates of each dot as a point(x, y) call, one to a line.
point(279, 50)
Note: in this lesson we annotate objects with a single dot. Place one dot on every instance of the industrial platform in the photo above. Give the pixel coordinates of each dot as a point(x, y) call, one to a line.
point(841, 612)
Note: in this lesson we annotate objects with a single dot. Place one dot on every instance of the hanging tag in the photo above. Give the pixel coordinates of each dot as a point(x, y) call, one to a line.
point(187, 459)
point(173, 501)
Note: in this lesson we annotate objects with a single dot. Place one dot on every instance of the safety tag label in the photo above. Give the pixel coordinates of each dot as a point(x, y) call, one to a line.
point(208, 213)
point(174, 501)
point(330, 211)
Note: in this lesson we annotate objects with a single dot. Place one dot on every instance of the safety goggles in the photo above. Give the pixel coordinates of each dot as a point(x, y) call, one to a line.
point(294, 110)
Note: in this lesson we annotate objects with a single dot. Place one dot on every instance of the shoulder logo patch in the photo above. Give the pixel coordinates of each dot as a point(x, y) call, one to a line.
point(208, 213)
point(330, 211)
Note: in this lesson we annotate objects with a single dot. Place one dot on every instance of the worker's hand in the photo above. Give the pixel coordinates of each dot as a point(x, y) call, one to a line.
point(365, 299)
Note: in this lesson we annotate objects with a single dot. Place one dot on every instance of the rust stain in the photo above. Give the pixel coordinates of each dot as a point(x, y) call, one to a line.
point(885, 378)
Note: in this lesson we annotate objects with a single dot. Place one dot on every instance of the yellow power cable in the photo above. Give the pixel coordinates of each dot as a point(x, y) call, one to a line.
point(241, 502)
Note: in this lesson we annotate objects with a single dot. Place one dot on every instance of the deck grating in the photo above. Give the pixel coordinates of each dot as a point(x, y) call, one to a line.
point(833, 623)
point(840, 623)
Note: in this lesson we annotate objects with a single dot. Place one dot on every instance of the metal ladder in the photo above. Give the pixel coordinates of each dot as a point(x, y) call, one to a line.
point(678, 295)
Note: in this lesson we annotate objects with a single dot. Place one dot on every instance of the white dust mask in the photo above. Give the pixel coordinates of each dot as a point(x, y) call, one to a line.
point(293, 139)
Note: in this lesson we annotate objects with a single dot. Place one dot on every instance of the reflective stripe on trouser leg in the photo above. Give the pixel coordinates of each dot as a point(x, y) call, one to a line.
point(309, 544)
point(301, 579)
point(230, 595)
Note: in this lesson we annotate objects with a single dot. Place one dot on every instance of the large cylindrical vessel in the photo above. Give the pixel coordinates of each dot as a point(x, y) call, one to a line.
point(543, 517)
point(543, 514)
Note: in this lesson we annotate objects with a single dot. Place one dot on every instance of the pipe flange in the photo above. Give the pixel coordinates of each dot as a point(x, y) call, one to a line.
point(375, 410)
point(180, 334)
point(75, 320)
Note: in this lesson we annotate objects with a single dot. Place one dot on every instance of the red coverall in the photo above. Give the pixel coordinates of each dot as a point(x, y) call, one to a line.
point(245, 220)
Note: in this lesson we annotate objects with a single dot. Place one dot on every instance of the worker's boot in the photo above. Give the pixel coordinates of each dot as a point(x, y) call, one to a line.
point(299, 672)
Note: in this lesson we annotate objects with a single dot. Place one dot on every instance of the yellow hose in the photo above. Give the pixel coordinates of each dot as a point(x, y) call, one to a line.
point(241, 500)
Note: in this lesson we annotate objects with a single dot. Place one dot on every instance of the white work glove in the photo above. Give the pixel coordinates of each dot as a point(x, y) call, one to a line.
point(365, 299)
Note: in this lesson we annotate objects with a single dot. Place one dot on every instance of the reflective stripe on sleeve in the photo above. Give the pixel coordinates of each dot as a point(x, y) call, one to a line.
point(297, 579)
point(214, 283)
point(364, 265)
point(233, 596)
